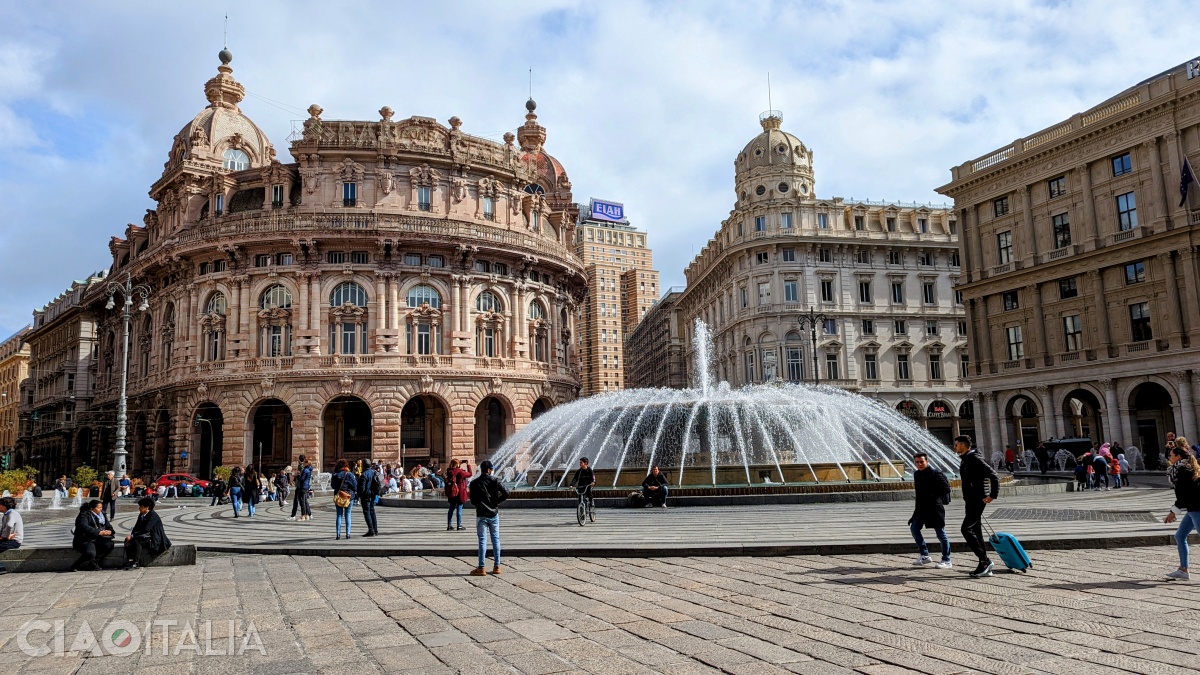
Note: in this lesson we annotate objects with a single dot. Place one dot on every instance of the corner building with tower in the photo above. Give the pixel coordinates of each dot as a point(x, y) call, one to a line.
point(402, 289)
point(882, 275)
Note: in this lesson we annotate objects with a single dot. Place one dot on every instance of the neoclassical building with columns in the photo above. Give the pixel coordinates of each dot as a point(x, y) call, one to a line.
point(401, 290)
point(1080, 272)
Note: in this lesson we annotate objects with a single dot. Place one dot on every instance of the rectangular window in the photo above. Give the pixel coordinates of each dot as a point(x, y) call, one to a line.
point(964, 365)
point(954, 227)
point(897, 292)
point(955, 261)
point(1139, 321)
point(825, 255)
point(891, 224)
point(220, 204)
point(70, 382)
point(958, 298)
point(750, 366)
point(762, 258)
point(795, 364)
point(502, 270)
point(262, 260)
point(218, 266)
point(864, 293)
point(929, 293)
point(931, 326)
point(203, 268)
point(868, 326)
point(760, 223)
point(785, 221)
point(1061, 225)
point(823, 221)
point(764, 293)
point(923, 225)
point(1004, 247)
point(1057, 186)
point(1135, 273)
point(1072, 333)
point(789, 255)
point(360, 257)
point(350, 194)
point(831, 367)
point(863, 257)
point(860, 223)
point(482, 266)
point(1016, 348)
point(745, 299)
point(489, 341)
point(424, 345)
point(1122, 165)
point(893, 257)
point(826, 290)
point(872, 366)
point(790, 292)
point(335, 257)
point(424, 199)
point(283, 258)
point(1067, 288)
point(1000, 207)
point(900, 327)
point(962, 328)
point(277, 196)
point(830, 326)
point(925, 259)
point(903, 371)
point(935, 366)
point(489, 208)
point(1011, 301)
point(1126, 211)
point(413, 259)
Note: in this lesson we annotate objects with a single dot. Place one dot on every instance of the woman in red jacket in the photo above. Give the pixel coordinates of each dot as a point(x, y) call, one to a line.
point(456, 493)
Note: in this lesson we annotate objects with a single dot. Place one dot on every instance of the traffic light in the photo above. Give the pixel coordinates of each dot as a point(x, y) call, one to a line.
point(4, 462)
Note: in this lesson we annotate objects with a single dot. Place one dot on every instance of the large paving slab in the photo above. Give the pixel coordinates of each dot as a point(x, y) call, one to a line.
point(1088, 611)
point(1090, 519)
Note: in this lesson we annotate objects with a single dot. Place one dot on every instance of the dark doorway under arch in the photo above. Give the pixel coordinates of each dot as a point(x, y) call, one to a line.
point(491, 427)
point(423, 432)
point(540, 407)
point(208, 442)
point(1150, 407)
point(347, 425)
point(271, 435)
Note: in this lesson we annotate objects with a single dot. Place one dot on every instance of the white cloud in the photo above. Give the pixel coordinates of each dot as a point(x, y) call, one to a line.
point(645, 102)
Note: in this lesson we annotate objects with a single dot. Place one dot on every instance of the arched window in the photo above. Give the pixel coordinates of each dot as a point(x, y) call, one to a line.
point(488, 302)
point(749, 361)
point(236, 160)
point(424, 295)
point(536, 311)
point(217, 304)
point(348, 319)
point(793, 356)
point(275, 322)
point(212, 327)
point(540, 330)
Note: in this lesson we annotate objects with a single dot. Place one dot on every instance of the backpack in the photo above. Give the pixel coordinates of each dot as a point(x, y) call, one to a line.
point(380, 484)
point(451, 485)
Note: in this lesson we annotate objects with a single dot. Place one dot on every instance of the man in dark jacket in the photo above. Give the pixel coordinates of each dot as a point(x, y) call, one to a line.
point(93, 536)
point(654, 488)
point(974, 472)
point(367, 492)
point(109, 492)
point(147, 539)
point(933, 493)
point(303, 489)
point(487, 494)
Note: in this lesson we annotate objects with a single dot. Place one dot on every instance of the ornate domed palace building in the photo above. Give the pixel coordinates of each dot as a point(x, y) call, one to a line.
point(402, 288)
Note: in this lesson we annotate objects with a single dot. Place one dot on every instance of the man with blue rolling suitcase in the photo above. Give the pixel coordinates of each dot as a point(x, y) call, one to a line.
point(974, 472)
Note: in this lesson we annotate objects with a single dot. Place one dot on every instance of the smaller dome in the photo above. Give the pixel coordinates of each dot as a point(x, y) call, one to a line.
point(773, 153)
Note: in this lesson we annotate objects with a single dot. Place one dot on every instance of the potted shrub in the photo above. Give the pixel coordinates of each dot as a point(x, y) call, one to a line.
point(223, 472)
point(85, 478)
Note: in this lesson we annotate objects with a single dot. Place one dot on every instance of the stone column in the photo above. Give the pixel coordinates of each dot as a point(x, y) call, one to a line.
point(995, 428)
point(1034, 292)
point(1031, 234)
point(1089, 204)
point(1191, 291)
point(1161, 208)
point(302, 310)
point(1179, 319)
point(1051, 422)
point(985, 333)
point(1179, 214)
point(247, 307)
point(1096, 278)
point(378, 313)
point(974, 242)
point(396, 300)
point(235, 309)
point(1186, 403)
point(1111, 411)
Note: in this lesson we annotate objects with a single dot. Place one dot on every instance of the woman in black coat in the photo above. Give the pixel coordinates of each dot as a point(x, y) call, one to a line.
point(93, 536)
point(147, 539)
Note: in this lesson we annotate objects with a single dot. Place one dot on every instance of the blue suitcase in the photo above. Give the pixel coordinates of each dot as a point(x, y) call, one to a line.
point(1010, 550)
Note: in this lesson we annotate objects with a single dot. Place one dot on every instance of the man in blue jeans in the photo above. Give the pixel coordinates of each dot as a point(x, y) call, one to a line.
point(486, 494)
point(933, 493)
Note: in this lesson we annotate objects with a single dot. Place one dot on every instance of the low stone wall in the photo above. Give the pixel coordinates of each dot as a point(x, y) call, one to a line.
point(60, 558)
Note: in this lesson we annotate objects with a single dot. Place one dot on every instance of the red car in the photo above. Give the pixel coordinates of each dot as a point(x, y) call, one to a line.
point(168, 479)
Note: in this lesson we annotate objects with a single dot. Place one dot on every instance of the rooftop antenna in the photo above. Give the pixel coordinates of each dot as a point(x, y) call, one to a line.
point(531, 83)
point(227, 30)
point(769, 106)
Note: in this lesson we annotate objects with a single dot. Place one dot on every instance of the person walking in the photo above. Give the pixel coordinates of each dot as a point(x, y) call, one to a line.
point(303, 490)
point(283, 481)
point(974, 472)
point(92, 537)
point(1010, 458)
point(1184, 472)
point(147, 539)
point(235, 490)
point(368, 493)
point(487, 494)
point(250, 488)
point(109, 492)
point(933, 493)
point(456, 493)
point(345, 487)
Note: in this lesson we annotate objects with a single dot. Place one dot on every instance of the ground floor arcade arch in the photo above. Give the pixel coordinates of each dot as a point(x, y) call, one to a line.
point(346, 427)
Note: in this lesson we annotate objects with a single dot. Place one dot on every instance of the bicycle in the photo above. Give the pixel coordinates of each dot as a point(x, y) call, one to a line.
point(585, 508)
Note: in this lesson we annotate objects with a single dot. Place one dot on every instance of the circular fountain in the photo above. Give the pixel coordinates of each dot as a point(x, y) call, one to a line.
point(712, 435)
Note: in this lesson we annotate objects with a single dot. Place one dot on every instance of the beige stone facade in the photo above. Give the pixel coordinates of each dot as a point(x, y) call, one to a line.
point(402, 290)
point(14, 369)
point(1081, 273)
point(654, 349)
point(882, 273)
point(622, 287)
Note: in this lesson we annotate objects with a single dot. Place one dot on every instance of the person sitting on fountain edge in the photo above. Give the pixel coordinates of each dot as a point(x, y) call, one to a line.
point(147, 538)
point(12, 528)
point(933, 493)
point(654, 488)
point(584, 479)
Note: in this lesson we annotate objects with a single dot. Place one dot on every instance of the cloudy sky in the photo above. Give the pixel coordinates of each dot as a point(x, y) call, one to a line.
point(645, 102)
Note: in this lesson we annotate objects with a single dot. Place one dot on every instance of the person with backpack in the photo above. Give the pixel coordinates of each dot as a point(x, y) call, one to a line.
point(933, 494)
point(370, 487)
point(283, 480)
point(1184, 472)
point(974, 473)
point(487, 494)
point(303, 490)
point(456, 493)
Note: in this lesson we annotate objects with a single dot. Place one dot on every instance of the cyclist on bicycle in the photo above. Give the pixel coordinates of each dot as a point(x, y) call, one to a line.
point(584, 479)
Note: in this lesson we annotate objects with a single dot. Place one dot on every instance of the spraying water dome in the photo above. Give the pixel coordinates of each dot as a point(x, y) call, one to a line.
point(712, 435)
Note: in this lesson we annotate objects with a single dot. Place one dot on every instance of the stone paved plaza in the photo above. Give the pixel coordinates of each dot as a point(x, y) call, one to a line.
point(1084, 611)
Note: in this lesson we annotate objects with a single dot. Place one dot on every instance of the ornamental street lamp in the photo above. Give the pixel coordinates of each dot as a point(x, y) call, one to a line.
point(811, 319)
point(126, 290)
